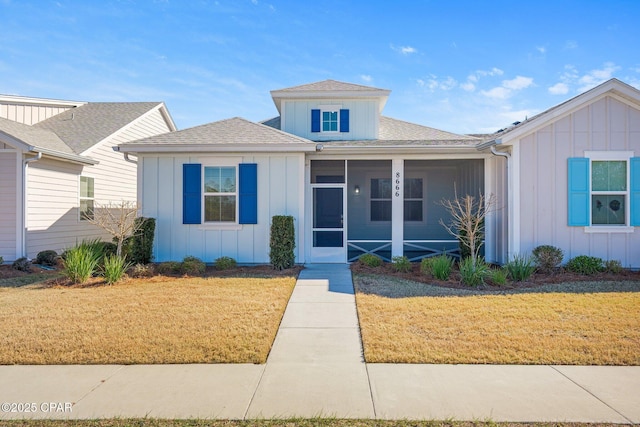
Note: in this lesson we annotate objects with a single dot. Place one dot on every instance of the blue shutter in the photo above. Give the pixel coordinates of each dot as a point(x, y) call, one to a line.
point(634, 203)
point(191, 193)
point(344, 120)
point(248, 193)
point(578, 202)
point(315, 120)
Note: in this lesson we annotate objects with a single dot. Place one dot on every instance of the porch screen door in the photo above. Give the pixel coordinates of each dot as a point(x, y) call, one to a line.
point(328, 225)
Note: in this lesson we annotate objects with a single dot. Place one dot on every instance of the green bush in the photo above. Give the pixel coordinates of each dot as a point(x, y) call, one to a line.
point(81, 262)
point(48, 257)
point(1, 260)
point(401, 264)
point(613, 266)
point(547, 257)
point(370, 260)
point(584, 264)
point(498, 277)
point(140, 245)
point(282, 242)
point(439, 266)
point(520, 267)
point(225, 263)
point(140, 270)
point(169, 268)
point(192, 266)
point(114, 268)
point(22, 264)
point(474, 275)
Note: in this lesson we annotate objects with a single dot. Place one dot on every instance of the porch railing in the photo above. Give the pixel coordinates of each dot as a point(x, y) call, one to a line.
point(379, 245)
point(429, 248)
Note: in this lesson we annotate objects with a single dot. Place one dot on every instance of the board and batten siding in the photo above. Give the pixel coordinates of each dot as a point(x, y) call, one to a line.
point(8, 205)
point(296, 119)
point(496, 238)
point(280, 189)
point(29, 114)
point(607, 124)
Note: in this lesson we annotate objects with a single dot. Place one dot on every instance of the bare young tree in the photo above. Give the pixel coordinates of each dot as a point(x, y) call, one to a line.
point(117, 219)
point(468, 215)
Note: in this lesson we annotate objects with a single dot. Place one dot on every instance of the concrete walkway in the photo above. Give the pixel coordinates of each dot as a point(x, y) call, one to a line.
point(316, 368)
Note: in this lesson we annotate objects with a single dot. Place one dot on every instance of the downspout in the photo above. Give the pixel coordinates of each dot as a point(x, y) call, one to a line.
point(25, 199)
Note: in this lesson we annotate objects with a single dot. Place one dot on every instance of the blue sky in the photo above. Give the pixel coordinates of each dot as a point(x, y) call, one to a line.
point(461, 66)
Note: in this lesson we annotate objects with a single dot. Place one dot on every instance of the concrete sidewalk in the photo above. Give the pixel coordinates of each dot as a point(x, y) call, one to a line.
point(316, 368)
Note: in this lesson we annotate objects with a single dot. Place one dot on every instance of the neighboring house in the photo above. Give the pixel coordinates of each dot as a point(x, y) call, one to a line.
point(57, 163)
point(358, 182)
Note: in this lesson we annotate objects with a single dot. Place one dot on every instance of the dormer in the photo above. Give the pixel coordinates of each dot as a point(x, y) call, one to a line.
point(331, 111)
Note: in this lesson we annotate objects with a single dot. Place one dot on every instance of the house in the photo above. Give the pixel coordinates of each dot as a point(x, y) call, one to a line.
point(57, 162)
point(359, 182)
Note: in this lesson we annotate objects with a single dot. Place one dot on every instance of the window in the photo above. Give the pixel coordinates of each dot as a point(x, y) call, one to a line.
point(608, 192)
point(380, 199)
point(604, 191)
point(86, 198)
point(413, 199)
point(330, 121)
point(220, 194)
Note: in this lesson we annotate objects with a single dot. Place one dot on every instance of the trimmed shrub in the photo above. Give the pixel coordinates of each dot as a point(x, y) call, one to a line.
point(439, 266)
point(225, 263)
point(401, 264)
point(473, 275)
point(169, 268)
point(613, 266)
point(140, 245)
point(425, 265)
point(81, 262)
point(48, 257)
point(584, 264)
point(141, 270)
point(192, 266)
point(282, 242)
point(520, 268)
point(22, 264)
point(547, 257)
point(114, 268)
point(370, 260)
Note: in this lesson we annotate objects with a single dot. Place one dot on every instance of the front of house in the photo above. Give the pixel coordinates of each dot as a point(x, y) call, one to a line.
point(358, 182)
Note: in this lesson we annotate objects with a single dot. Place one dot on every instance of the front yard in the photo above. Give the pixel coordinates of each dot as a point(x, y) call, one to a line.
point(143, 321)
point(582, 323)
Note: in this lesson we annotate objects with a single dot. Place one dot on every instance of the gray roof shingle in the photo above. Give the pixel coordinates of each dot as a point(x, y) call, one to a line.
point(83, 127)
point(34, 136)
point(329, 86)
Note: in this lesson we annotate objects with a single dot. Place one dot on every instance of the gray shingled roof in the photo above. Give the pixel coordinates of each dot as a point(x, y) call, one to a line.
point(329, 86)
point(225, 132)
point(34, 136)
point(83, 127)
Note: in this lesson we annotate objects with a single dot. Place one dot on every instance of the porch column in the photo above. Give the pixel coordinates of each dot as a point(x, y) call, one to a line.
point(397, 207)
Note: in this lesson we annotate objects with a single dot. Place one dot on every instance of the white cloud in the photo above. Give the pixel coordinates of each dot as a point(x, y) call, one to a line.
point(497, 93)
point(492, 72)
point(541, 49)
point(420, 82)
point(559, 89)
point(367, 78)
point(434, 83)
point(571, 44)
point(594, 77)
point(405, 50)
point(468, 86)
point(518, 83)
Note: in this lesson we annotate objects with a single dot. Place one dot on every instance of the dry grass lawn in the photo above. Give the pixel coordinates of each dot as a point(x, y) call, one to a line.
point(402, 323)
point(156, 320)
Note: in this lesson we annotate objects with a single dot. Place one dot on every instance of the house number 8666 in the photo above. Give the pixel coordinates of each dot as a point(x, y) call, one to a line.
point(397, 184)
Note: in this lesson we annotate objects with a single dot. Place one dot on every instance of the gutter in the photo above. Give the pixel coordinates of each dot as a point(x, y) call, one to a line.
point(25, 199)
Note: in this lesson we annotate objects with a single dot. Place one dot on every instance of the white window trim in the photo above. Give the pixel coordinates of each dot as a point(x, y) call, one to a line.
point(80, 197)
point(220, 163)
point(334, 108)
point(624, 156)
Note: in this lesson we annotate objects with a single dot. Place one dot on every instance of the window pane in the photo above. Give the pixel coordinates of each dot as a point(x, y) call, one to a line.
point(609, 176)
point(228, 180)
point(608, 210)
point(327, 171)
point(381, 210)
point(381, 188)
point(327, 239)
point(413, 188)
point(220, 208)
point(413, 210)
point(211, 180)
point(86, 186)
point(86, 209)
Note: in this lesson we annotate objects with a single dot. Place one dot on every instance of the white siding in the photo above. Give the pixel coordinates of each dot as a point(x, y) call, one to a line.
point(363, 119)
point(29, 114)
point(606, 124)
point(280, 183)
point(496, 239)
point(8, 204)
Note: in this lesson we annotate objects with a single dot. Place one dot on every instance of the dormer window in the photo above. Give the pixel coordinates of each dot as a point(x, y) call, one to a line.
point(330, 119)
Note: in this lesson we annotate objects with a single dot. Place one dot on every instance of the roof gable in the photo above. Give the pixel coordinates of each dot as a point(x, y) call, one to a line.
point(32, 136)
point(329, 86)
